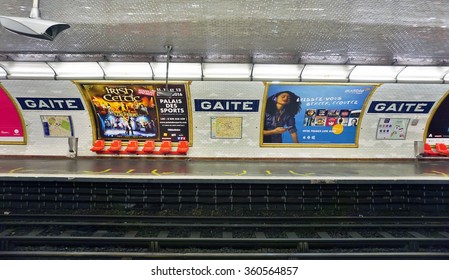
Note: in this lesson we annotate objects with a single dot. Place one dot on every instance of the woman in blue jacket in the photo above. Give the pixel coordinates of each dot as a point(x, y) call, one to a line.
point(280, 111)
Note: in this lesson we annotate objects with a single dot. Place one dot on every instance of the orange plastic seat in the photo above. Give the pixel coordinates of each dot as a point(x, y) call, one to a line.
point(116, 146)
point(165, 147)
point(442, 149)
point(148, 146)
point(428, 151)
point(98, 146)
point(183, 147)
point(132, 147)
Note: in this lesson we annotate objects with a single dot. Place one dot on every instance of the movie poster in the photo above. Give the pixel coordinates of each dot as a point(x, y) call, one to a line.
point(126, 110)
point(11, 123)
point(298, 114)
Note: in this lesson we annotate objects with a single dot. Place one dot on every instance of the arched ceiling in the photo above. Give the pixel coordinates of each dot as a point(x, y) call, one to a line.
point(382, 32)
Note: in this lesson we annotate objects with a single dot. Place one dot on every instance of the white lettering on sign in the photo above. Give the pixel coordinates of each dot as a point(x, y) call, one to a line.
point(226, 105)
point(31, 103)
point(400, 107)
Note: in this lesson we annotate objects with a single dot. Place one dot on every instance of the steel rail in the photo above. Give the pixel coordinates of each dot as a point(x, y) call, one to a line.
point(221, 242)
point(224, 225)
point(221, 219)
point(221, 256)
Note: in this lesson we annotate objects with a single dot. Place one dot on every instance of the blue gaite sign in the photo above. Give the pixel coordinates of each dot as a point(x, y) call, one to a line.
point(34, 103)
point(407, 107)
point(226, 105)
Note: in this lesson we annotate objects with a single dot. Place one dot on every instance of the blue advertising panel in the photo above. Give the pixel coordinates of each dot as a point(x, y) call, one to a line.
point(318, 114)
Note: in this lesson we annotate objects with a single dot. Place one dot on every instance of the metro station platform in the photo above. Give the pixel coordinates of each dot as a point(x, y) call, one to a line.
point(332, 171)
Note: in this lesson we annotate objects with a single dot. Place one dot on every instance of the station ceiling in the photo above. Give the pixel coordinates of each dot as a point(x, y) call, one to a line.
point(381, 32)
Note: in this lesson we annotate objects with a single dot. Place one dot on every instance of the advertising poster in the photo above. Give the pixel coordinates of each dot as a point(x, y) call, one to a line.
point(127, 110)
point(57, 126)
point(298, 114)
point(11, 124)
point(438, 128)
point(392, 129)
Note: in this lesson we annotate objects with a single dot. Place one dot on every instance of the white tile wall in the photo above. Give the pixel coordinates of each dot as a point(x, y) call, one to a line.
point(203, 145)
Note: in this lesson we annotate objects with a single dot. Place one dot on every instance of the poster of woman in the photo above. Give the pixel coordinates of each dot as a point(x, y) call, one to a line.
point(296, 114)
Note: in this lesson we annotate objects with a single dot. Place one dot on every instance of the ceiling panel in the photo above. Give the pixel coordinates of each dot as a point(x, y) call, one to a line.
point(382, 32)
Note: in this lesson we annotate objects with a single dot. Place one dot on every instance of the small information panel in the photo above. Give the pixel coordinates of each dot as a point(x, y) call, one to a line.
point(226, 127)
point(57, 126)
point(392, 129)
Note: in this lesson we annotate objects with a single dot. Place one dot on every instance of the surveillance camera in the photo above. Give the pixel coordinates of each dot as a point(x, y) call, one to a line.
point(33, 27)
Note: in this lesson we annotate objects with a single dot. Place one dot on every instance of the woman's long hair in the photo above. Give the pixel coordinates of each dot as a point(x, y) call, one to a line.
point(291, 108)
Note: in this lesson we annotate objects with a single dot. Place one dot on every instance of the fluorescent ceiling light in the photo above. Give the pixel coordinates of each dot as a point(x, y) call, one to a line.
point(278, 72)
point(326, 73)
point(227, 71)
point(126, 70)
point(77, 70)
point(2, 73)
point(28, 70)
point(184, 71)
point(422, 74)
point(375, 74)
point(446, 78)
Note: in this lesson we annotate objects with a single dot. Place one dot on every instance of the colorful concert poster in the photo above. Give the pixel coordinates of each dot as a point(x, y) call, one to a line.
point(127, 110)
point(11, 123)
point(298, 114)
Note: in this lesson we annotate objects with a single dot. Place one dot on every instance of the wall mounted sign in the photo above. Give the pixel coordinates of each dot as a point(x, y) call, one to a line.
point(407, 107)
point(296, 114)
point(221, 105)
point(139, 110)
point(35, 103)
point(12, 128)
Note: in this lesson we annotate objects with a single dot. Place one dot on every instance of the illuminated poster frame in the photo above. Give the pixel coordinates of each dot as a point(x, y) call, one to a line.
point(316, 114)
point(437, 127)
point(12, 125)
point(138, 110)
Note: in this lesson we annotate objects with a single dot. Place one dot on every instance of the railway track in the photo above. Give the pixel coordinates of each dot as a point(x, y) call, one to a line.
point(179, 237)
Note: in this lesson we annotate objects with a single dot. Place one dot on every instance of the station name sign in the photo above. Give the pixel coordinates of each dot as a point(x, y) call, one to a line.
point(226, 105)
point(407, 107)
point(35, 103)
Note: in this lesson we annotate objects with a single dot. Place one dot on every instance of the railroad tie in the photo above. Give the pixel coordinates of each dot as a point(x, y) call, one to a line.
point(355, 234)
point(386, 234)
point(227, 234)
point(260, 235)
point(6, 232)
point(416, 234)
point(323, 234)
point(35, 232)
point(67, 232)
point(162, 234)
point(444, 233)
point(195, 234)
point(100, 233)
point(131, 233)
